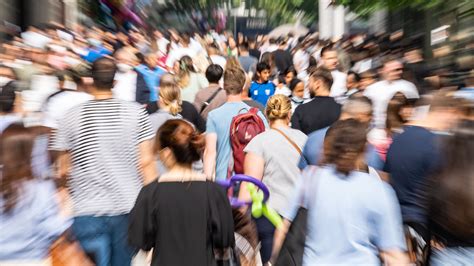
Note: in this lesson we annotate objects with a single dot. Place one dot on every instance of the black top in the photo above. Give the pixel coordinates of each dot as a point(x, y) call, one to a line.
point(255, 104)
point(182, 221)
point(255, 53)
point(319, 113)
point(283, 60)
point(188, 112)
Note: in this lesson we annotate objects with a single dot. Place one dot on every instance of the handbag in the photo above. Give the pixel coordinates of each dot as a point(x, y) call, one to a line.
point(292, 249)
point(64, 252)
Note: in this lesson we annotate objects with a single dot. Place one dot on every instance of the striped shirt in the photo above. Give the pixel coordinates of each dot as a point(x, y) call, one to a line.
point(102, 137)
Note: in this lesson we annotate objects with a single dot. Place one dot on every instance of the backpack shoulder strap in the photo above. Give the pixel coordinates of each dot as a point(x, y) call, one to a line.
point(208, 101)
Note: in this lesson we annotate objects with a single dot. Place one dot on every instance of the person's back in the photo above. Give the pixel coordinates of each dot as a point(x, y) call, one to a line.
point(411, 159)
point(353, 216)
point(322, 111)
point(355, 223)
point(183, 216)
point(107, 142)
point(41, 223)
point(218, 125)
point(283, 59)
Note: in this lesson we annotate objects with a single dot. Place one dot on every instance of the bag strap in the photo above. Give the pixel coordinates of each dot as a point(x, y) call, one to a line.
point(289, 140)
point(206, 103)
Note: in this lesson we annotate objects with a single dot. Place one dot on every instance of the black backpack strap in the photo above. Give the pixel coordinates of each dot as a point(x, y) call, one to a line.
point(208, 101)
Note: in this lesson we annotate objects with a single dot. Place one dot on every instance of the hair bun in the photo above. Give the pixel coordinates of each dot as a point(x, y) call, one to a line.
point(197, 142)
point(278, 107)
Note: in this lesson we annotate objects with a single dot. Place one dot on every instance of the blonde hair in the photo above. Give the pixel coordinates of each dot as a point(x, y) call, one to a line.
point(278, 107)
point(170, 95)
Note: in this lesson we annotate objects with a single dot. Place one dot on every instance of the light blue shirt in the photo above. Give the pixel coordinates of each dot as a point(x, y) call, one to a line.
point(219, 121)
point(313, 150)
point(350, 218)
point(152, 79)
point(28, 231)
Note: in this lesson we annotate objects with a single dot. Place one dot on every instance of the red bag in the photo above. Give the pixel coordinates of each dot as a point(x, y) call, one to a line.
point(243, 129)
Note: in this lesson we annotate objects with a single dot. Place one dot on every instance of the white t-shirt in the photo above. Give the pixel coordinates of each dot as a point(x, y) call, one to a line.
point(162, 43)
point(338, 87)
point(60, 104)
point(381, 92)
point(219, 60)
point(177, 53)
point(301, 60)
point(126, 86)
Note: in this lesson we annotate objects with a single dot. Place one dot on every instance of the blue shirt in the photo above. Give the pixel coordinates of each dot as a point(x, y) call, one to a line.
point(95, 53)
point(350, 218)
point(313, 150)
point(260, 92)
point(412, 159)
point(219, 121)
point(152, 79)
point(28, 231)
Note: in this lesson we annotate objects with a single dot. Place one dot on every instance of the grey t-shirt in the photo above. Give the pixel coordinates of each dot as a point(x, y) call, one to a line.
point(247, 62)
point(158, 118)
point(281, 163)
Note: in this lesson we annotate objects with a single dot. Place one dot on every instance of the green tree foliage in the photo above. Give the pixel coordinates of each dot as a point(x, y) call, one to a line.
point(366, 7)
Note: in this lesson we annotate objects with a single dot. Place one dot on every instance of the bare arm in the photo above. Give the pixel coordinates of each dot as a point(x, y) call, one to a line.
point(253, 166)
point(210, 155)
point(147, 162)
point(63, 164)
point(394, 257)
point(278, 238)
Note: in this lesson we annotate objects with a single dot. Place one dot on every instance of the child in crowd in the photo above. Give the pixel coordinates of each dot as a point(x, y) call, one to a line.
point(261, 89)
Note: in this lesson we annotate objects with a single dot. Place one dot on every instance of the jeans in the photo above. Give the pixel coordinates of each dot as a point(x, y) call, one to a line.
point(104, 238)
point(266, 230)
point(452, 256)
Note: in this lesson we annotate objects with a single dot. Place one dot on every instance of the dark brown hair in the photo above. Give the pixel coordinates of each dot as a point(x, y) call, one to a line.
point(345, 141)
point(234, 80)
point(323, 75)
point(16, 144)
point(452, 204)
point(182, 139)
point(395, 105)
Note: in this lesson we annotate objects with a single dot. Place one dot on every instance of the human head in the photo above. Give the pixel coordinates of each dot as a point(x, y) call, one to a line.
point(352, 81)
point(214, 73)
point(232, 62)
point(7, 98)
point(444, 110)
point(344, 145)
point(170, 98)
point(231, 42)
point(329, 57)
point(185, 39)
point(320, 82)
point(359, 108)
point(7, 73)
point(297, 88)
point(186, 64)
point(290, 74)
point(278, 108)
point(367, 78)
point(16, 145)
point(234, 81)
point(399, 109)
point(244, 48)
point(103, 73)
point(392, 69)
point(268, 58)
point(263, 72)
point(151, 60)
point(126, 60)
point(177, 142)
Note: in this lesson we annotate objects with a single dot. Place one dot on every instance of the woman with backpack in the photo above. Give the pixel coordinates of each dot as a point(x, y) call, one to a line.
point(272, 156)
point(352, 217)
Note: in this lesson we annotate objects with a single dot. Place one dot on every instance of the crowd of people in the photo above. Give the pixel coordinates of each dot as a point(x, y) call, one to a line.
point(120, 142)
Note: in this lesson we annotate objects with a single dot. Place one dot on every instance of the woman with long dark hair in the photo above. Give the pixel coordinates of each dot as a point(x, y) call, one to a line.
point(30, 219)
point(452, 202)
